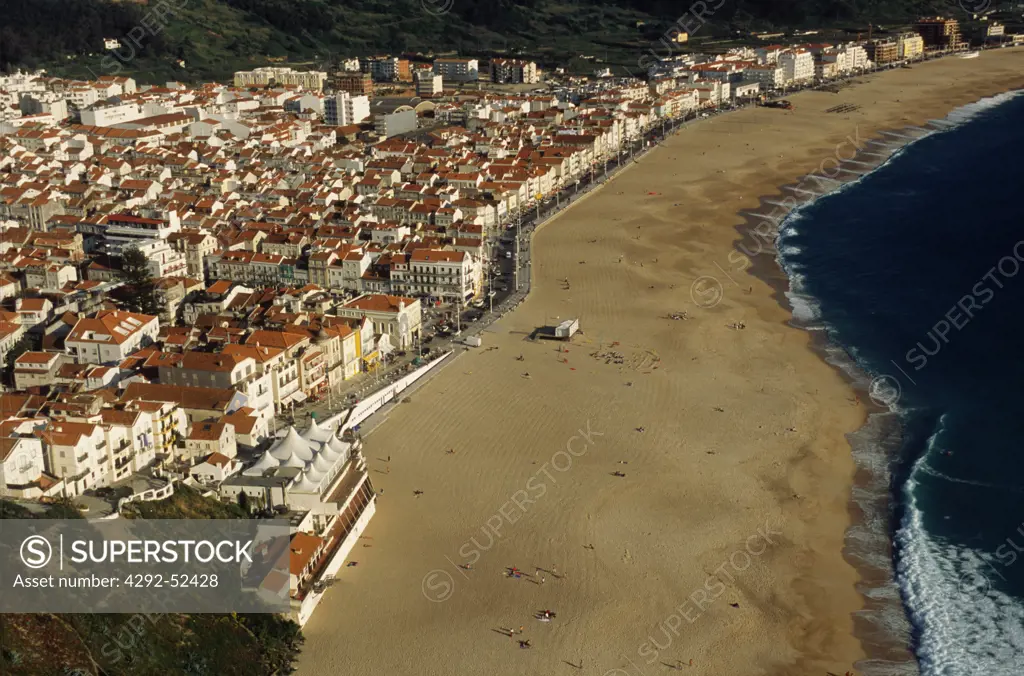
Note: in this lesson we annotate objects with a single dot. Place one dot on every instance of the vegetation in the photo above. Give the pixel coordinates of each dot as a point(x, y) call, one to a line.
point(186, 503)
point(142, 295)
point(204, 39)
point(141, 644)
point(23, 345)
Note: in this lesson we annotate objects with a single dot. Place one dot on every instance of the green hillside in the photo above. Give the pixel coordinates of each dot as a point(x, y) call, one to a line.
point(103, 644)
point(214, 37)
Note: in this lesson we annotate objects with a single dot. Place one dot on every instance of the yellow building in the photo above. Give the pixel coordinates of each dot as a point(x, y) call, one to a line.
point(911, 46)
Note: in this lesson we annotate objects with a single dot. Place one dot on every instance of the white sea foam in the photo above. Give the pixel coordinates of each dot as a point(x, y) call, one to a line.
point(967, 625)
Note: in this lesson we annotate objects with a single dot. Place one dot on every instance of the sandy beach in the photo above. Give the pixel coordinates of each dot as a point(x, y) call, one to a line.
point(723, 542)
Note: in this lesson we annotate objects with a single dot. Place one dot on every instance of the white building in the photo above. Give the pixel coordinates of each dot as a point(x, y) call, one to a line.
point(23, 465)
point(343, 109)
point(162, 260)
point(77, 453)
point(797, 66)
point(458, 70)
point(450, 275)
point(322, 480)
point(856, 57)
point(269, 75)
point(394, 316)
point(392, 124)
point(109, 115)
point(428, 84)
point(769, 75)
point(109, 336)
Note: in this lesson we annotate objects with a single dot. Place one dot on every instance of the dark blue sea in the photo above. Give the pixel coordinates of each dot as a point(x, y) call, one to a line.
point(916, 274)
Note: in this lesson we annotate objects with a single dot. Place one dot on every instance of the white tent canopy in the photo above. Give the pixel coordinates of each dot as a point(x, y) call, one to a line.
point(292, 444)
point(265, 462)
point(316, 433)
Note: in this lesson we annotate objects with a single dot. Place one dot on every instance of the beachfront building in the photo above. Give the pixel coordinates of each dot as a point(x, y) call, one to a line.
point(769, 76)
point(397, 317)
point(458, 70)
point(746, 91)
point(323, 483)
point(910, 46)
point(449, 275)
point(797, 66)
point(883, 52)
point(939, 32)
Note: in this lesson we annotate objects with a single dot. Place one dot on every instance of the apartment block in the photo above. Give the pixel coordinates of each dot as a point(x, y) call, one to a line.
point(458, 70)
point(312, 80)
point(910, 46)
point(428, 84)
point(939, 32)
point(797, 66)
point(514, 71)
point(883, 51)
point(356, 84)
point(343, 109)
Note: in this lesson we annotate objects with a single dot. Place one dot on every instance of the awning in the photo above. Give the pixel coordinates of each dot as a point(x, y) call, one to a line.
point(296, 397)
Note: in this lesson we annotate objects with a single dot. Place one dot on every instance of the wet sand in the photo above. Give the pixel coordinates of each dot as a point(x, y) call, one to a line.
point(723, 542)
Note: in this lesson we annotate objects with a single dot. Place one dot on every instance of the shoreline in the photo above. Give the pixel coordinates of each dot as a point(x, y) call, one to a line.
point(879, 434)
point(780, 615)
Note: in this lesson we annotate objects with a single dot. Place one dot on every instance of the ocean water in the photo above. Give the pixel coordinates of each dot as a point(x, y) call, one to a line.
point(916, 274)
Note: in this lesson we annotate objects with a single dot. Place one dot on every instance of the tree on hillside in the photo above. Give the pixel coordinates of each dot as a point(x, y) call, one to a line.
point(135, 274)
point(21, 347)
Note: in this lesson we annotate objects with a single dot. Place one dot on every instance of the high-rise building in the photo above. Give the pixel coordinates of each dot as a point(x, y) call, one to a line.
point(797, 65)
point(883, 51)
point(910, 46)
point(938, 32)
point(343, 109)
